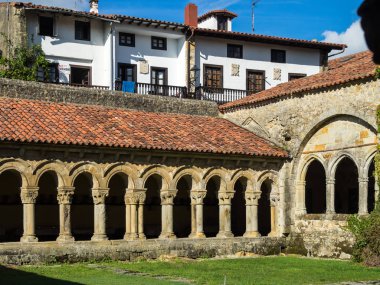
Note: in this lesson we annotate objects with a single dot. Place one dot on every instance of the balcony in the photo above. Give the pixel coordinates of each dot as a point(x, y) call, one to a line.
point(220, 95)
point(152, 89)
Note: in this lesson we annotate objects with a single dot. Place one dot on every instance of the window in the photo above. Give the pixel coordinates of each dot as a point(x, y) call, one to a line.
point(53, 75)
point(127, 40)
point(294, 76)
point(80, 75)
point(159, 76)
point(213, 76)
point(46, 26)
point(235, 51)
point(127, 72)
point(222, 23)
point(82, 31)
point(255, 81)
point(159, 43)
point(278, 56)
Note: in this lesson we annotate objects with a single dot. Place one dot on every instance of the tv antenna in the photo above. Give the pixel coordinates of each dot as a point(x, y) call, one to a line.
point(254, 4)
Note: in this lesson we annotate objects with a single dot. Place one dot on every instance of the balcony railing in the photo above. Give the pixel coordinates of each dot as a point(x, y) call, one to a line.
point(98, 87)
point(152, 89)
point(220, 95)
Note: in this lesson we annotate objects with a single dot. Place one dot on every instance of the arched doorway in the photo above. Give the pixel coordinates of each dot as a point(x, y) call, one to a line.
point(115, 207)
point(11, 212)
point(47, 208)
point(315, 188)
point(182, 208)
point(82, 209)
point(211, 207)
point(264, 209)
point(346, 187)
point(152, 207)
point(238, 211)
point(371, 187)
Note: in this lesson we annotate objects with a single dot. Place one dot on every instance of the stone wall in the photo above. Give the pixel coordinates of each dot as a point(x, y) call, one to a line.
point(135, 250)
point(115, 99)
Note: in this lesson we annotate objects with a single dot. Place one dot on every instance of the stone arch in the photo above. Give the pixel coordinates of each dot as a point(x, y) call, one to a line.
point(127, 169)
point(334, 162)
point(21, 166)
point(162, 171)
point(86, 167)
point(367, 162)
point(305, 163)
point(268, 175)
point(243, 173)
point(58, 167)
point(222, 173)
point(187, 171)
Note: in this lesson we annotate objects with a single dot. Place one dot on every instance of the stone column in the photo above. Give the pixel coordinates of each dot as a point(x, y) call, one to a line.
point(274, 201)
point(225, 214)
point(65, 198)
point(127, 202)
point(142, 197)
point(301, 200)
point(99, 195)
point(363, 196)
point(197, 213)
point(251, 207)
point(28, 198)
point(167, 198)
point(330, 196)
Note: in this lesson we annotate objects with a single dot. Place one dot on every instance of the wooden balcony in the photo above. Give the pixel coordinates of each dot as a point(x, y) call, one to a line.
point(152, 89)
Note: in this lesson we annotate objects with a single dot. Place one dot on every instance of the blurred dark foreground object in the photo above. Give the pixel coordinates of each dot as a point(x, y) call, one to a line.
point(370, 13)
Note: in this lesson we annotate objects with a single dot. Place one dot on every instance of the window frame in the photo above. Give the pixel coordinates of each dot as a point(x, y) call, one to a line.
point(263, 80)
point(296, 76)
point(89, 68)
point(133, 39)
point(134, 66)
point(222, 23)
point(205, 67)
point(234, 46)
point(166, 79)
point(274, 55)
point(84, 24)
point(52, 26)
point(165, 43)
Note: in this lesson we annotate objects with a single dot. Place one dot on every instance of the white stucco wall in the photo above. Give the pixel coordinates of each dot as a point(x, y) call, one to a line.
point(212, 23)
point(255, 57)
point(66, 51)
point(174, 58)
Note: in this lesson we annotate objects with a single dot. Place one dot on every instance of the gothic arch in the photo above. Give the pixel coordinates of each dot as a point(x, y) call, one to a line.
point(334, 162)
point(363, 171)
point(305, 163)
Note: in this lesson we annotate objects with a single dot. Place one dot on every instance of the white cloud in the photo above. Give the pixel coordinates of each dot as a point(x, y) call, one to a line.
point(353, 37)
point(206, 5)
point(70, 4)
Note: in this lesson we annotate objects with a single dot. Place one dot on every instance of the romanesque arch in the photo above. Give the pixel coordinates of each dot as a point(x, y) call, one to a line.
point(315, 188)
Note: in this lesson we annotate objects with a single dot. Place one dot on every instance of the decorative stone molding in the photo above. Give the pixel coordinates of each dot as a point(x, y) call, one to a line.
point(65, 195)
point(29, 195)
point(225, 198)
point(330, 181)
point(167, 197)
point(197, 197)
point(132, 198)
point(363, 180)
point(274, 199)
point(99, 195)
point(252, 198)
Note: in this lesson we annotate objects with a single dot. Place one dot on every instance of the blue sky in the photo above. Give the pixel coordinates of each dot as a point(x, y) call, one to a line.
point(305, 19)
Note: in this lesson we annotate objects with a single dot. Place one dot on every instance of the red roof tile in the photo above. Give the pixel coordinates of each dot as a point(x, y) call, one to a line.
point(30, 121)
point(342, 70)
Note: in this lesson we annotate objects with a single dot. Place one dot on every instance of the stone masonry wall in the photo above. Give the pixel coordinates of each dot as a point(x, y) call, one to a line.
point(115, 99)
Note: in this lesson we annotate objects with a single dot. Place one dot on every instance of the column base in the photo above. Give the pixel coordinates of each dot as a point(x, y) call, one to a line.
point(252, 234)
point(197, 235)
point(225, 235)
point(142, 236)
point(167, 236)
point(65, 239)
point(98, 237)
point(126, 236)
point(29, 239)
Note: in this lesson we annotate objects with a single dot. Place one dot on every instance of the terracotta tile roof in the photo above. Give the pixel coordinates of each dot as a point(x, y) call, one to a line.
point(223, 12)
point(342, 70)
point(30, 121)
point(267, 39)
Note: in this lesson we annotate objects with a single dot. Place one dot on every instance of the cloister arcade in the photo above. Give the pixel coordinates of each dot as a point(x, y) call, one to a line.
point(55, 200)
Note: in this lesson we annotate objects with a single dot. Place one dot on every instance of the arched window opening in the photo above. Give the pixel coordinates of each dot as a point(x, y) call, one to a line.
point(238, 212)
point(115, 206)
point(346, 187)
point(264, 209)
point(47, 207)
point(11, 211)
point(315, 188)
point(152, 207)
point(211, 208)
point(82, 210)
point(182, 208)
point(371, 187)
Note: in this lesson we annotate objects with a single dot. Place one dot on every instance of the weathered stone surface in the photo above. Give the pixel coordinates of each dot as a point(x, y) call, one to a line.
point(115, 99)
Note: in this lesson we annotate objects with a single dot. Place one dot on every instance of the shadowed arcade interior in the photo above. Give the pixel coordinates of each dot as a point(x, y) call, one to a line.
point(211, 207)
point(152, 207)
point(315, 188)
point(371, 187)
point(264, 209)
point(182, 208)
point(238, 212)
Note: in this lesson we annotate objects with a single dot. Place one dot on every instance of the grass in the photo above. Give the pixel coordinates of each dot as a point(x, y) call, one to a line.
point(266, 270)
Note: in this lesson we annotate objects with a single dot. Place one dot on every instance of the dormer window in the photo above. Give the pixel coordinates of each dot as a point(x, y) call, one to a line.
point(222, 23)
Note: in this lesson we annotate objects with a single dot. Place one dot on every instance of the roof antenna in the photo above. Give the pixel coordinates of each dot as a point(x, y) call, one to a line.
point(254, 3)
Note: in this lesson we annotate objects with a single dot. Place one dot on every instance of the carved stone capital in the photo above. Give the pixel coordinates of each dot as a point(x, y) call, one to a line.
point(99, 195)
point(274, 199)
point(131, 198)
point(65, 195)
point(29, 195)
point(197, 197)
point(252, 198)
point(167, 197)
point(225, 198)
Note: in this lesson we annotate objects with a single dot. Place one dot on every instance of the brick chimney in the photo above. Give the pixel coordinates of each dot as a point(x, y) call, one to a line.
point(94, 6)
point(191, 15)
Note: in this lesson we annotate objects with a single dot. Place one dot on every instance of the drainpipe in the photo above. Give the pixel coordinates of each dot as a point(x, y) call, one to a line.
point(344, 49)
point(112, 56)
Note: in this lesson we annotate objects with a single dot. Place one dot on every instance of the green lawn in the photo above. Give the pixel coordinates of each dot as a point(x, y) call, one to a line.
point(266, 270)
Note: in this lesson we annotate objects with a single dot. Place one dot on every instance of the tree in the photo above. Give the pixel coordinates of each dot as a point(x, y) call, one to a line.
point(24, 62)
